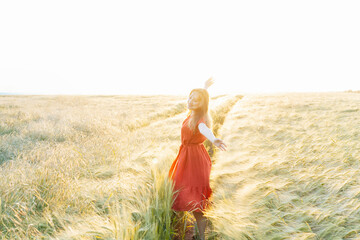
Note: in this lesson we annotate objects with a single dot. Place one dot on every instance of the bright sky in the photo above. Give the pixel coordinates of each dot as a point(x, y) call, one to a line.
point(170, 47)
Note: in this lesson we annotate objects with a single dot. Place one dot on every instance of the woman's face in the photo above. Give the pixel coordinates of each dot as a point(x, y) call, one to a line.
point(194, 101)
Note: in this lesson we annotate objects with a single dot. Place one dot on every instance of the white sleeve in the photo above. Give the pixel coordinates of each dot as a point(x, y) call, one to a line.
point(204, 130)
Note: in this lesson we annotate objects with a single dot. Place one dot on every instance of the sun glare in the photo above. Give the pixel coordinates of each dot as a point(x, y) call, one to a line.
point(151, 48)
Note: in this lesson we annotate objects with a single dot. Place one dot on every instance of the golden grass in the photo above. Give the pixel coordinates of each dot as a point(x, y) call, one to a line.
point(291, 170)
point(72, 168)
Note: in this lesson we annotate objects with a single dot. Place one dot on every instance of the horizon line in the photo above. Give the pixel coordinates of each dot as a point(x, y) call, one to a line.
point(154, 94)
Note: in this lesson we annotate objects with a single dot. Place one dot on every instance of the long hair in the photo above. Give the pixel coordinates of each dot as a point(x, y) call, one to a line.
point(202, 112)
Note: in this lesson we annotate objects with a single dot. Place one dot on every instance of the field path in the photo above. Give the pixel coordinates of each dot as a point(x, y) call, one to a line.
point(152, 143)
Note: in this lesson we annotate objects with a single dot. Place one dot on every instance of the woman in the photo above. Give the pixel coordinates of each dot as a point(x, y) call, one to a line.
point(190, 171)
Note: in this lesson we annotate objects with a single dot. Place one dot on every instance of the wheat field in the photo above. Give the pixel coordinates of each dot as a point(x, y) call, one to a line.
point(95, 167)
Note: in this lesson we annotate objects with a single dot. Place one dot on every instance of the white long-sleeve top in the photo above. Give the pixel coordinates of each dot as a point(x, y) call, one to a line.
point(204, 130)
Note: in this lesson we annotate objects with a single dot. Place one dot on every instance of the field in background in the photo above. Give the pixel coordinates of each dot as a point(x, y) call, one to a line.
point(94, 167)
point(292, 169)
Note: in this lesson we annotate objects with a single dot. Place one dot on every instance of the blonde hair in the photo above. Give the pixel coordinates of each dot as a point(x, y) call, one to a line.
point(202, 112)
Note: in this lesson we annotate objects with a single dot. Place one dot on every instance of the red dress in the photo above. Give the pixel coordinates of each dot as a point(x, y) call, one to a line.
point(190, 172)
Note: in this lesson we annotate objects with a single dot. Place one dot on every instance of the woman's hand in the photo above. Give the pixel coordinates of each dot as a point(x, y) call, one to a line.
point(220, 144)
point(208, 83)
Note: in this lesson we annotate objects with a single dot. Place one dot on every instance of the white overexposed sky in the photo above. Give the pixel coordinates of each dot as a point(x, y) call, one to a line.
point(170, 47)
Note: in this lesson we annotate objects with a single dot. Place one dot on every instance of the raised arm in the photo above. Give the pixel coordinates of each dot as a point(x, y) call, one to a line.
point(204, 130)
point(208, 83)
